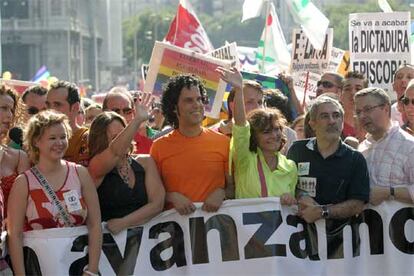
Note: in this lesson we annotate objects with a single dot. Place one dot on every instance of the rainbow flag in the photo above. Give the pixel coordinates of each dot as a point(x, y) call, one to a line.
point(41, 74)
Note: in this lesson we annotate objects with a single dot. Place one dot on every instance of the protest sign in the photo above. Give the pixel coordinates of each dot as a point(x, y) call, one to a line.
point(305, 84)
point(144, 71)
point(306, 58)
point(168, 60)
point(227, 52)
point(337, 56)
point(345, 63)
point(379, 44)
point(250, 236)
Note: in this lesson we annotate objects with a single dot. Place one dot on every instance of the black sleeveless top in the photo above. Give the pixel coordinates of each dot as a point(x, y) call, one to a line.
point(116, 198)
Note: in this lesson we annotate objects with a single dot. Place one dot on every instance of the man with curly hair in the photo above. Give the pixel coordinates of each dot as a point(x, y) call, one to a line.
point(192, 160)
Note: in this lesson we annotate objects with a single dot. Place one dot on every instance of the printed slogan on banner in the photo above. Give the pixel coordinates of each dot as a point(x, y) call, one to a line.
point(379, 43)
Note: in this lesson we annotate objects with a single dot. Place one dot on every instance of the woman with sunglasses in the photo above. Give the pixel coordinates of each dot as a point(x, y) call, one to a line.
point(130, 190)
point(54, 193)
point(12, 161)
point(407, 106)
point(259, 167)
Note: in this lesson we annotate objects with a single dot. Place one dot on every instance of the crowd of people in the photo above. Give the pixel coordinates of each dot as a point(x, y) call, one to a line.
point(126, 160)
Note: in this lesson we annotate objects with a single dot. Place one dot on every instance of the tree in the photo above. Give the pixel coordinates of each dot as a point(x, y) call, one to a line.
point(146, 28)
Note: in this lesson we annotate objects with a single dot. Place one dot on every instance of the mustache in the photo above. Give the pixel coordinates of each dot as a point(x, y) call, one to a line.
point(332, 128)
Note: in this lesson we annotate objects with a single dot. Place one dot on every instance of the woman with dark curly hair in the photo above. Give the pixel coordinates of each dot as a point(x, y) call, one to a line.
point(260, 169)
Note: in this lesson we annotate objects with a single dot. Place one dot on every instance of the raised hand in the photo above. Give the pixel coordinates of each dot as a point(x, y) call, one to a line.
point(143, 105)
point(287, 79)
point(231, 76)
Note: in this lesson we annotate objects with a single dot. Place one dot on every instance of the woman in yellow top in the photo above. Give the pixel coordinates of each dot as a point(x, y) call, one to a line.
point(260, 169)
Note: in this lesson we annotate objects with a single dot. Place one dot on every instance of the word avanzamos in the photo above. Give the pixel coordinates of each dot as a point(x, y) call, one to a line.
point(168, 243)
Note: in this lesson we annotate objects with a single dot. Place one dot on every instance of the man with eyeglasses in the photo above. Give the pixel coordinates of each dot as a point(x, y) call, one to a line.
point(333, 179)
point(64, 97)
point(34, 99)
point(121, 101)
point(388, 149)
point(330, 82)
point(407, 102)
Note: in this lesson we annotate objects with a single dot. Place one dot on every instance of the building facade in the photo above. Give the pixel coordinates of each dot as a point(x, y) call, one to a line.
point(77, 40)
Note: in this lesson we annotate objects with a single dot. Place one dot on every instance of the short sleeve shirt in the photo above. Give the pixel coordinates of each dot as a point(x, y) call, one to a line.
point(337, 178)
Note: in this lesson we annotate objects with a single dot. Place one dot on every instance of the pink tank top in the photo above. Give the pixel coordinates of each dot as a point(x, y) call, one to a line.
point(41, 213)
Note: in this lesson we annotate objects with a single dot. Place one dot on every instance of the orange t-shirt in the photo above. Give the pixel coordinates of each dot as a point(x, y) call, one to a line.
point(192, 166)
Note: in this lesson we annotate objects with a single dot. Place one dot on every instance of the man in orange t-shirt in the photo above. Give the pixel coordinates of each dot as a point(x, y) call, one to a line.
point(192, 160)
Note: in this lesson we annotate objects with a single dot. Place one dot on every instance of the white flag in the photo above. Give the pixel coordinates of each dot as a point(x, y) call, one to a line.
point(272, 51)
point(314, 23)
point(385, 7)
point(251, 9)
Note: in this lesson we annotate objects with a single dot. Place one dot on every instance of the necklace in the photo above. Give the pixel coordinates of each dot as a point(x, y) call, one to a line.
point(123, 170)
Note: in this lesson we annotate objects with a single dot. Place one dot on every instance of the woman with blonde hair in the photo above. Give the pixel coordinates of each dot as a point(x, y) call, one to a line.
point(54, 193)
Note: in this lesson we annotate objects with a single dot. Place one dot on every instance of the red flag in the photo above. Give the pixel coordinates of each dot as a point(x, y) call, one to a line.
point(187, 32)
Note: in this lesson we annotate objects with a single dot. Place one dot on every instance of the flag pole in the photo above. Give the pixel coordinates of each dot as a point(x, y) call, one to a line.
point(265, 36)
point(176, 22)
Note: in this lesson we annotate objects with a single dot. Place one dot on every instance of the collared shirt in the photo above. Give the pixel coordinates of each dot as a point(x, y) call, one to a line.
point(396, 115)
point(278, 182)
point(334, 179)
point(390, 159)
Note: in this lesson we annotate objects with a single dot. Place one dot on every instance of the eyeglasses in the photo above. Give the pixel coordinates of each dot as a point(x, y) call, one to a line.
point(32, 110)
point(325, 84)
point(123, 111)
point(367, 110)
point(407, 101)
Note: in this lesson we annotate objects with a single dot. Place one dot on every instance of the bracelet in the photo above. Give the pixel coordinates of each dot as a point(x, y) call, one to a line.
point(85, 269)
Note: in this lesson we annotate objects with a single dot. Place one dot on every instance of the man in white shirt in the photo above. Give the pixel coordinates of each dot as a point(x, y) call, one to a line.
point(388, 149)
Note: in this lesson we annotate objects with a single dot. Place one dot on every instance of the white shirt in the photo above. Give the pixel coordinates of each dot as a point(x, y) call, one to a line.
point(390, 160)
point(396, 115)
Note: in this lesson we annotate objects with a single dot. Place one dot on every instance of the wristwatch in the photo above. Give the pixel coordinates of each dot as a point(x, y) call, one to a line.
point(325, 211)
point(392, 193)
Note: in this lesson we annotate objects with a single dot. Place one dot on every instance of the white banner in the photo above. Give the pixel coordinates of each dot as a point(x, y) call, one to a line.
point(379, 43)
point(247, 237)
point(306, 58)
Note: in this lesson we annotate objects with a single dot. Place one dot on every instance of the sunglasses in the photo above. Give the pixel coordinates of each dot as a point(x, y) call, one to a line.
point(325, 84)
point(32, 110)
point(407, 101)
point(125, 111)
